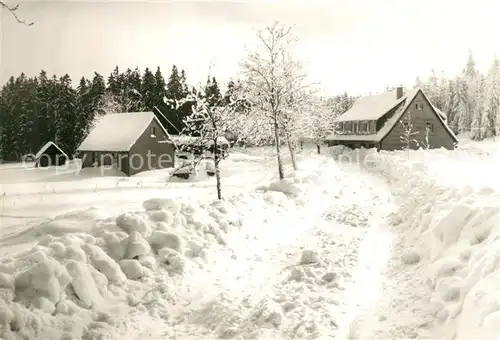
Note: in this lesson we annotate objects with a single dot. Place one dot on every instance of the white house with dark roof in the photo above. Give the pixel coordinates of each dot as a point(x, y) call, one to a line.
point(377, 121)
point(133, 142)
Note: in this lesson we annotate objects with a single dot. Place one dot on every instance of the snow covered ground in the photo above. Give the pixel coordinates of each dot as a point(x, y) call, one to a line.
point(442, 278)
point(29, 196)
point(274, 261)
point(386, 246)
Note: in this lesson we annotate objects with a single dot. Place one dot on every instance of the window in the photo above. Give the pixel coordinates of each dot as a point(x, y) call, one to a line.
point(419, 106)
point(429, 127)
point(366, 127)
point(152, 131)
point(347, 127)
point(362, 127)
point(406, 125)
point(340, 128)
point(355, 127)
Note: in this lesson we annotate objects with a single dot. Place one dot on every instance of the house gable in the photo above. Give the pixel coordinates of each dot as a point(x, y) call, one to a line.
point(153, 149)
point(422, 115)
point(46, 147)
point(118, 132)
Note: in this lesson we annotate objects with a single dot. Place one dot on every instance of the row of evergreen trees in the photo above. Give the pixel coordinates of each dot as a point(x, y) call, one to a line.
point(471, 100)
point(36, 110)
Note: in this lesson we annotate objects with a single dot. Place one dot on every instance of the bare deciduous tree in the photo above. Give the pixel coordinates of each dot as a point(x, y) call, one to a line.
point(207, 126)
point(275, 83)
point(319, 123)
point(13, 10)
point(408, 135)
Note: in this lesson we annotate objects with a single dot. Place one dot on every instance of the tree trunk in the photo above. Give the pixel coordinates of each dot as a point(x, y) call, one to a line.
point(281, 173)
point(217, 173)
point(292, 154)
point(318, 148)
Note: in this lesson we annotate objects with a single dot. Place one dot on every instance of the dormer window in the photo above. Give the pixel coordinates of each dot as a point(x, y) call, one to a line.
point(152, 132)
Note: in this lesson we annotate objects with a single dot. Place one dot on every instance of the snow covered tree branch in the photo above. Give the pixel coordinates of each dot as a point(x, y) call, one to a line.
point(275, 83)
point(408, 135)
point(13, 11)
point(207, 127)
point(318, 123)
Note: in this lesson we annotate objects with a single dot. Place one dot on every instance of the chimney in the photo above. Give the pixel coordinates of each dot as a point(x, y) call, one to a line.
point(399, 92)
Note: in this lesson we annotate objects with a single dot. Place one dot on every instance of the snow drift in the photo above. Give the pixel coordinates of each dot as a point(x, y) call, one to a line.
point(74, 272)
point(88, 274)
point(458, 224)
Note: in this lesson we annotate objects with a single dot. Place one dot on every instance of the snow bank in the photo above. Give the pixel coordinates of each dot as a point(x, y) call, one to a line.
point(84, 265)
point(458, 226)
point(87, 273)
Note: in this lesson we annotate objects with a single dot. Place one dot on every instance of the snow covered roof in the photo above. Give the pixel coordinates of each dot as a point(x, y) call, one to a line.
point(375, 106)
point(45, 147)
point(439, 112)
point(118, 131)
point(391, 122)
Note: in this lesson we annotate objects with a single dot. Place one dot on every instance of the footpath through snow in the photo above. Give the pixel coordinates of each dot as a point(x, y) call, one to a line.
point(443, 277)
point(275, 263)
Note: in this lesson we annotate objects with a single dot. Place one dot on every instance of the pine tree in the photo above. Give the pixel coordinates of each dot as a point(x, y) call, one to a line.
point(477, 130)
point(229, 92)
point(115, 85)
point(148, 89)
point(431, 88)
point(28, 137)
point(491, 108)
point(130, 98)
point(67, 116)
point(176, 90)
point(85, 110)
point(452, 106)
point(45, 118)
point(463, 117)
point(175, 87)
point(97, 95)
point(470, 78)
point(184, 86)
point(212, 92)
point(443, 93)
point(160, 87)
point(8, 121)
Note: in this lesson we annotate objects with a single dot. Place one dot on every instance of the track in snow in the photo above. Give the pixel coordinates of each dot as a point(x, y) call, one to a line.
point(261, 290)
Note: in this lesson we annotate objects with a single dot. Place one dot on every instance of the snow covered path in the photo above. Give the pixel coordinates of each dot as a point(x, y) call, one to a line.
point(295, 280)
point(403, 309)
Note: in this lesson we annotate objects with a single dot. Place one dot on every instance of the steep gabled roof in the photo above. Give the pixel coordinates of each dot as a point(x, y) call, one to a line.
point(403, 104)
point(46, 147)
point(118, 131)
point(439, 114)
point(375, 106)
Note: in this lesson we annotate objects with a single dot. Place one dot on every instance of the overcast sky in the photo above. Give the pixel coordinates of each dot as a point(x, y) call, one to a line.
point(357, 46)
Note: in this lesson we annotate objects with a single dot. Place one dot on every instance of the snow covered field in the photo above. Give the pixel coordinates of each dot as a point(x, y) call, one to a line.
point(402, 247)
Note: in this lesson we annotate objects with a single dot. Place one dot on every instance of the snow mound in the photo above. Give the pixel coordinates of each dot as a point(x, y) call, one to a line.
point(318, 171)
point(458, 226)
point(79, 269)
